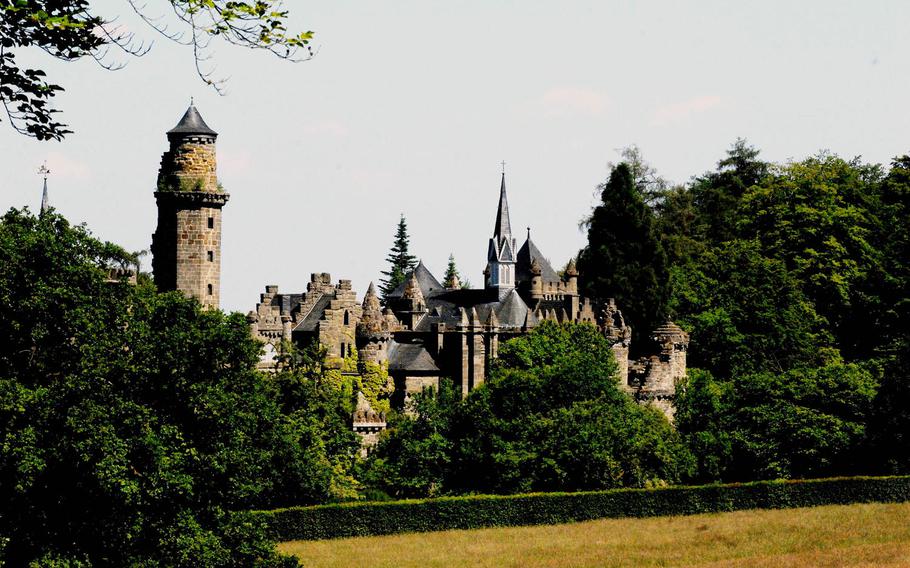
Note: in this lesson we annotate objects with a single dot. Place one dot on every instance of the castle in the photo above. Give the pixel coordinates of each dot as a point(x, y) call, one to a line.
point(428, 330)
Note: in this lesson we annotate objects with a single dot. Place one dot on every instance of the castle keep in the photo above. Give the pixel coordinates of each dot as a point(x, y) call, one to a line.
point(186, 246)
point(427, 331)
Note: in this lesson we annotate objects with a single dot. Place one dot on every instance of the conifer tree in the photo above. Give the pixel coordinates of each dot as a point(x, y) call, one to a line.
point(401, 262)
point(452, 278)
point(624, 258)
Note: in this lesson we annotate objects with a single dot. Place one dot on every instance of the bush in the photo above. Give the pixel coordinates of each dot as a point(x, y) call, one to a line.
point(370, 519)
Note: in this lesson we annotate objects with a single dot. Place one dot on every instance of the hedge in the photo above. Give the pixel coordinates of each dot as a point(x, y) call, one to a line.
point(477, 511)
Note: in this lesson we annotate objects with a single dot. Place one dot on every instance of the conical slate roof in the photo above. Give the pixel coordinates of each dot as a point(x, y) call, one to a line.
point(527, 254)
point(429, 285)
point(503, 225)
point(192, 123)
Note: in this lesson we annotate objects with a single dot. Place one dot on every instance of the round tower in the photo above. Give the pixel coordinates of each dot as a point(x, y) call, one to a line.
point(186, 246)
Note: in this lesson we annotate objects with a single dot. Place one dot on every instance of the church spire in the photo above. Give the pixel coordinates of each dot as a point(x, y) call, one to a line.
point(503, 226)
point(45, 202)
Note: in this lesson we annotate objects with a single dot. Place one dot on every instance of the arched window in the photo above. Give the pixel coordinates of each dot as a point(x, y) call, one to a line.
point(211, 290)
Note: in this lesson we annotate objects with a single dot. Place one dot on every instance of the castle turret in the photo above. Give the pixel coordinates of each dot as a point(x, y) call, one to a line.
point(186, 246)
point(501, 252)
point(536, 280)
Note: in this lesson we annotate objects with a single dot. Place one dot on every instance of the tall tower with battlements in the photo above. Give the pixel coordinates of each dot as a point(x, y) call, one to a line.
point(186, 246)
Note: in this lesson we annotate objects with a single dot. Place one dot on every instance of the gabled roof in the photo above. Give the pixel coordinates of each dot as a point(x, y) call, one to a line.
point(526, 253)
point(192, 123)
point(429, 285)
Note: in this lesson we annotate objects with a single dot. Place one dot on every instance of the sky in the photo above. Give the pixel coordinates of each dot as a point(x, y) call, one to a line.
point(409, 107)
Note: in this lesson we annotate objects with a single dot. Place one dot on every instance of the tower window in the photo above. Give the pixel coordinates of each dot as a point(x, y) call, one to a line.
point(211, 222)
point(347, 318)
point(211, 290)
point(211, 256)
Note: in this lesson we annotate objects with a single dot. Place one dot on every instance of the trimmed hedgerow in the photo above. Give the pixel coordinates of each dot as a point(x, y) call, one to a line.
point(380, 518)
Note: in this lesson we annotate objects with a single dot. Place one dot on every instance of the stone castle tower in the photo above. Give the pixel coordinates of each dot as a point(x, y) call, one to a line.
point(186, 246)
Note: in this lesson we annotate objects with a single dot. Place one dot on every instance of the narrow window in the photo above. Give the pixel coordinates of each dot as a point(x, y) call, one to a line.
point(342, 350)
point(211, 222)
point(210, 290)
point(211, 256)
point(347, 319)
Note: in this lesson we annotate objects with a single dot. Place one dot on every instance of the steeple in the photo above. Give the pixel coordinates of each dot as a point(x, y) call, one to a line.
point(503, 226)
point(45, 204)
point(501, 251)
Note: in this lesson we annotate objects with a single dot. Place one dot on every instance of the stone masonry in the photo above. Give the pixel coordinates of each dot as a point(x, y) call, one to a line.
point(186, 246)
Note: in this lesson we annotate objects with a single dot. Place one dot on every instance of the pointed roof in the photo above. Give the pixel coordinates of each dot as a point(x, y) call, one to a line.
point(503, 225)
point(192, 123)
point(525, 258)
point(371, 300)
point(45, 203)
point(429, 285)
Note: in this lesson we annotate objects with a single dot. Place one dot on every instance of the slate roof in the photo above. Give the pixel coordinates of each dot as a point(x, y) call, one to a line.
point(503, 225)
point(192, 123)
point(444, 308)
point(410, 357)
point(311, 321)
point(527, 252)
point(429, 285)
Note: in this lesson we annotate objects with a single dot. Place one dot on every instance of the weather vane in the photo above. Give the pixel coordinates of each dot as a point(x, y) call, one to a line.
point(503, 166)
point(43, 171)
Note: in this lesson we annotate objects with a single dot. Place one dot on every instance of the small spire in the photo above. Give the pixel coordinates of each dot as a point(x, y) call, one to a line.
point(503, 226)
point(571, 269)
point(45, 202)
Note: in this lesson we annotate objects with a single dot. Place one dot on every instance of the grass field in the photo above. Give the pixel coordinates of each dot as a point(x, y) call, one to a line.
point(842, 535)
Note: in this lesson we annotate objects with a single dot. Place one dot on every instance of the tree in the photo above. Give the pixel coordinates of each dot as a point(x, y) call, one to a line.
point(70, 30)
point(134, 424)
point(818, 216)
point(717, 195)
point(551, 417)
point(746, 313)
point(452, 278)
point(401, 262)
point(624, 258)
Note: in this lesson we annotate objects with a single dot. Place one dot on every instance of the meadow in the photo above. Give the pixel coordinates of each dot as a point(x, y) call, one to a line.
point(840, 535)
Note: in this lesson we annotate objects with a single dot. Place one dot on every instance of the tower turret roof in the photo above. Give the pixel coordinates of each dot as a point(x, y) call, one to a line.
point(192, 123)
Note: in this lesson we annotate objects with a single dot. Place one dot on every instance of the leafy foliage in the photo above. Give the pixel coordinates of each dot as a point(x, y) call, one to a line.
point(70, 30)
point(133, 423)
point(478, 511)
point(549, 417)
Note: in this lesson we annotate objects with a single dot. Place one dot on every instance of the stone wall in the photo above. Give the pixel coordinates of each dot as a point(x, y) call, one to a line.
point(186, 246)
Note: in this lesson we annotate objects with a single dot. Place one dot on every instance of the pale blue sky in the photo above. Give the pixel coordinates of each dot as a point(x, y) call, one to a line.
point(410, 107)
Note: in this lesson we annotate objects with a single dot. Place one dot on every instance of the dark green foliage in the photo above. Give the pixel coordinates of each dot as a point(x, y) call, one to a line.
point(471, 512)
point(800, 423)
point(746, 312)
point(401, 262)
point(624, 258)
point(717, 195)
point(549, 417)
point(818, 216)
point(415, 455)
point(452, 277)
point(132, 423)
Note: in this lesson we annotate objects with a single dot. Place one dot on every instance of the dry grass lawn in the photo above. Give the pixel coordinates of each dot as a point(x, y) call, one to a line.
point(849, 535)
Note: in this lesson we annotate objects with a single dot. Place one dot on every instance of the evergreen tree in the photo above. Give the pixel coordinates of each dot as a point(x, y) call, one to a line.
point(401, 262)
point(624, 258)
point(453, 278)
